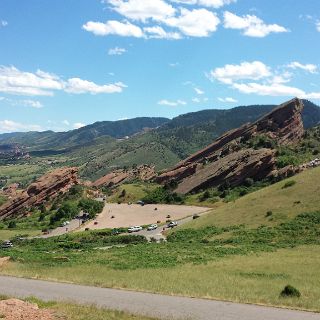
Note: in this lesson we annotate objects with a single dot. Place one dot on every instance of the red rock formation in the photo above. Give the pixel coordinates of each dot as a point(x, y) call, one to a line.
point(46, 187)
point(229, 158)
point(143, 172)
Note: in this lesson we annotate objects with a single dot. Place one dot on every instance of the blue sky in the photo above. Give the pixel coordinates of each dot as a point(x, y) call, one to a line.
point(66, 63)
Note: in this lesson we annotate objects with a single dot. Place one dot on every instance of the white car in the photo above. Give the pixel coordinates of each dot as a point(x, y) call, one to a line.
point(152, 227)
point(7, 244)
point(134, 229)
point(172, 224)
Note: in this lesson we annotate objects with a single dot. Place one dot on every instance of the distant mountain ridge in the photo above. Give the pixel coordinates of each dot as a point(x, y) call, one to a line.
point(97, 152)
point(57, 140)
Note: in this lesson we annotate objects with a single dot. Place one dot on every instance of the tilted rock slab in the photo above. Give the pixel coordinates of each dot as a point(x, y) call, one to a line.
point(227, 160)
point(46, 187)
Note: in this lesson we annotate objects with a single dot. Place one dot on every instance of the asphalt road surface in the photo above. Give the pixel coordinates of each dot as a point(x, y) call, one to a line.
point(154, 305)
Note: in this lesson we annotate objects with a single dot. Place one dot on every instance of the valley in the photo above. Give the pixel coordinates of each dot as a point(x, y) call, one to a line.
point(256, 228)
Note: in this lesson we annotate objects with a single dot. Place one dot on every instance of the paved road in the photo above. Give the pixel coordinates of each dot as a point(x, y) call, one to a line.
point(154, 305)
point(73, 225)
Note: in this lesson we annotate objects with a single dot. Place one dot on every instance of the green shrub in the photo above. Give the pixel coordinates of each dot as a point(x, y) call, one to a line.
point(12, 224)
point(288, 184)
point(290, 291)
point(163, 195)
point(269, 214)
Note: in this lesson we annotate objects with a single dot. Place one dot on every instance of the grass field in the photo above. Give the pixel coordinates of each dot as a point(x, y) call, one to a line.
point(257, 278)
point(282, 203)
point(22, 173)
point(131, 192)
point(9, 234)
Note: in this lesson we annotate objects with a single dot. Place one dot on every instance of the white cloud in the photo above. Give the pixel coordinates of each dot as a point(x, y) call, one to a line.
point(165, 102)
point(312, 68)
point(25, 103)
point(116, 51)
point(228, 100)
point(143, 10)
point(16, 82)
point(195, 23)
point(251, 25)
point(199, 91)
point(32, 103)
point(157, 32)
point(274, 89)
point(66, 122)
point(3, 23)
point(246, 70)
point(318, 26)
point(77, 85)
point(12, 126)
point(113, 27)
point(207, 3)
point(196, 100)
point(273, 84)
point(78, 125)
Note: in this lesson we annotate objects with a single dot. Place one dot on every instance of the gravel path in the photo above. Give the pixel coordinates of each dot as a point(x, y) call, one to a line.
point(154, 305)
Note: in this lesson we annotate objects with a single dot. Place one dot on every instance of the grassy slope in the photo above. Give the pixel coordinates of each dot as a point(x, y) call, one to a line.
point(133, 192)
point(251, 209)
point(9, 234)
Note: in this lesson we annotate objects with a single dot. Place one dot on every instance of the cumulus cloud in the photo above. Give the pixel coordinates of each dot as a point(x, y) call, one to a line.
point(158, 32)
point(78, 125)
point(77, 85)
point(12, 126)
point(312, 68)
point(40, 83)
point(176, 103)
point(266, 81)
point(143, 9)
point(14, 81)
point(195, 23)
point(246, 70)
point(318, 26)
point(113, 27)
point(116, 51)
point(251, 25)
point(3, 23)
point(228, 100)
point(206, 3)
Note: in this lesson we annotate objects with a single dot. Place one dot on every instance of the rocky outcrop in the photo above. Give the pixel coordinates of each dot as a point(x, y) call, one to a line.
point(114, 178)
point(46, 187)
point(231, 159)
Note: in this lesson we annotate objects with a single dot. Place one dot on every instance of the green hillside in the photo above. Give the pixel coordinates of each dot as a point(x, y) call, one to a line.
point(268, 206)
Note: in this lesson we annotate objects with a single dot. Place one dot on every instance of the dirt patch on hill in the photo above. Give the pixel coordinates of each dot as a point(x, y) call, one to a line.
point(4, 261)
point(14, 309)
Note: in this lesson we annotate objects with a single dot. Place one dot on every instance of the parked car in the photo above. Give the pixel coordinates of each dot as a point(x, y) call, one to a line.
point(134, 229)
point(7, 244)
point(152, 227)
point(172, 224)
point(140, 202)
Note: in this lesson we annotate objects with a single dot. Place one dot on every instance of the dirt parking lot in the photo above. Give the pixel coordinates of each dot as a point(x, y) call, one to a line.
point(125, 215)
